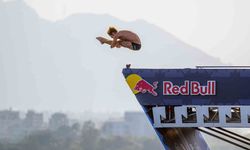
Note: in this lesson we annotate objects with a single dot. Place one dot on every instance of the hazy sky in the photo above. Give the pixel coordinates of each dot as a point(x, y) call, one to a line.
point(219, 27)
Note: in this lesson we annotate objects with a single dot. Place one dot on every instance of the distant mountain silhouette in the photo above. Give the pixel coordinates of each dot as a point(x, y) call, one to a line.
point(61, 66)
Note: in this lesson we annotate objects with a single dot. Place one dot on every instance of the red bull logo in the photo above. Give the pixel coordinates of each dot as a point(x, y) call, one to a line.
point(139, 85)
point(143, 86)
point(189, 88)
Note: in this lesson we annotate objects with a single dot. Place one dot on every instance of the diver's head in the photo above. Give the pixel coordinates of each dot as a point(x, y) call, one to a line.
point(112, 31)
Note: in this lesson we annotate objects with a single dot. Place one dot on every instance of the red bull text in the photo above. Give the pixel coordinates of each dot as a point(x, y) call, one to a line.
point(189, 88)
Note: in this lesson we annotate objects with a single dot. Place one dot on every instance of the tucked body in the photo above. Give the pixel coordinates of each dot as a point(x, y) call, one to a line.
point(122, 38)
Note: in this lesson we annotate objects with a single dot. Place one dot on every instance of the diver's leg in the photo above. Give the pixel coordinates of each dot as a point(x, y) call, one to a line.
point(119, 44)
point(109, 42)
point(126, 44)
point(103, 40)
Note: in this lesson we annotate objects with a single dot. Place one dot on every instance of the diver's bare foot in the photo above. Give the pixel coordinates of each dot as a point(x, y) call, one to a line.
point(101, 39)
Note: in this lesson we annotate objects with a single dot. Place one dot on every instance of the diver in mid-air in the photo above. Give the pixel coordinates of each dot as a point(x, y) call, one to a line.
point(122, 38)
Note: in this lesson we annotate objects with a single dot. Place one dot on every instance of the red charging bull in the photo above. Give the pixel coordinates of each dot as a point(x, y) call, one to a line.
point(143, 86)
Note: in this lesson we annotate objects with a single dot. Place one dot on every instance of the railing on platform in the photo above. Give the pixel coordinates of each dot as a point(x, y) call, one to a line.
point(201, 116)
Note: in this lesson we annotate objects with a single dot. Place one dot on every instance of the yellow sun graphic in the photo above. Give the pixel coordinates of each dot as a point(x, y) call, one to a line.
point(132, 80)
